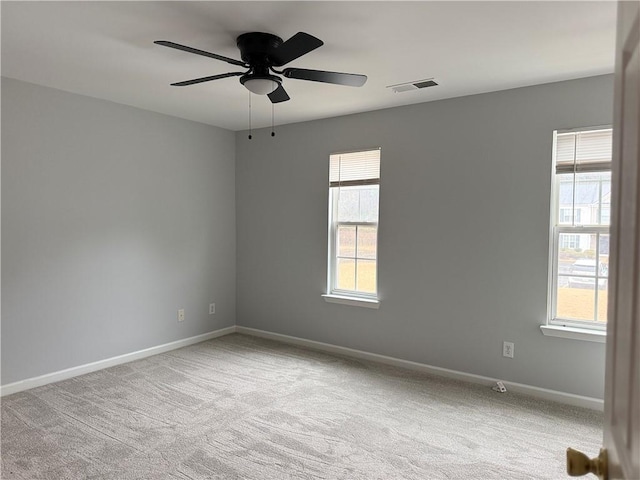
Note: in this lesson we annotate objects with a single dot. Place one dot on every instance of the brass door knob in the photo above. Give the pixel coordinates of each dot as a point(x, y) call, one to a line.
point(579, 464)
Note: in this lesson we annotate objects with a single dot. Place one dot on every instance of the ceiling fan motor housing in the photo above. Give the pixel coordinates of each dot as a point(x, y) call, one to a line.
point(256, 48)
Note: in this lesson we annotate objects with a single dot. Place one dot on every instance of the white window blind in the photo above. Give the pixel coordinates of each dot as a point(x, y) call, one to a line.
point(355, 168)
point(587, 151)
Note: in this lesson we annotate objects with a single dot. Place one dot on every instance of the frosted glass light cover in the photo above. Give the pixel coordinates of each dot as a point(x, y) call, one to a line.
point(261, 86)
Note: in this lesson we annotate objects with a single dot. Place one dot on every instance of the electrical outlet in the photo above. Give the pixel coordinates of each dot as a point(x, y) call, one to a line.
point(181, 315)
point(507, 349)
point(212, 308)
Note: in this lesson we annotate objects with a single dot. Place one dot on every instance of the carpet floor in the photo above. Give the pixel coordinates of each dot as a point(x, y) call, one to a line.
point(239, 407)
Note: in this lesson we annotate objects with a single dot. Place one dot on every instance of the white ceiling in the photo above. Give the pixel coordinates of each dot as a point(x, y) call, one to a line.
point(106, 50)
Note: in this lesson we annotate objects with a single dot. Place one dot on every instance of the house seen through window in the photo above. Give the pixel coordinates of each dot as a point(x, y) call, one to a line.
point(354, 187)
point(580, 225)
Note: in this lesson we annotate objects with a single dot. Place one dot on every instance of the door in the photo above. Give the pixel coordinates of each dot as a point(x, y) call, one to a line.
point(622, 388)
point(620, 457)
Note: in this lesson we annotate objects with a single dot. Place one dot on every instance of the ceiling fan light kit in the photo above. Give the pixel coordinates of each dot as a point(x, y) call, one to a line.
point(260, 85)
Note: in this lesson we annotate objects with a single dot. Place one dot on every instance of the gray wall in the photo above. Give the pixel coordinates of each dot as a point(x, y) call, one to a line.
point(463, 242)
point(112, 219)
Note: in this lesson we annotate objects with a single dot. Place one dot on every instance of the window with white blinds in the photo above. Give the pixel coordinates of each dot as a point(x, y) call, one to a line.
point(580, 228)
point(354, 168)
point(586, 151)
point(354, 192)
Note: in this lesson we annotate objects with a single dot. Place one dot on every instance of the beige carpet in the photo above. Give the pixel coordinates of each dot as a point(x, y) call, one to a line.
point(244, 408)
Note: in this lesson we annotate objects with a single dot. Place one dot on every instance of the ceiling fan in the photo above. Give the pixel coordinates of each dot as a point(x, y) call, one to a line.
point(260, 53)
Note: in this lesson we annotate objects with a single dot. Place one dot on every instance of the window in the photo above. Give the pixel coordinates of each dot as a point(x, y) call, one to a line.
point(567, 215)
point(580, 228)
point(570, 241)
point(354, 188)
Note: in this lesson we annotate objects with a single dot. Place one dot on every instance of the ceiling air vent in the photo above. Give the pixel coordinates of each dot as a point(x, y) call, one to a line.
point(416, 85)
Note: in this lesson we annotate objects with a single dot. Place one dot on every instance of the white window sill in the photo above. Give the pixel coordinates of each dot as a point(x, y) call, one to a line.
point(353, 301)
point(587, 335)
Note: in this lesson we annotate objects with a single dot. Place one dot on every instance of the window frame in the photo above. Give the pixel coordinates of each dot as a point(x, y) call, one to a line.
point(556, 228)
point(334, 256)
point(334, 294)
point(569, 322)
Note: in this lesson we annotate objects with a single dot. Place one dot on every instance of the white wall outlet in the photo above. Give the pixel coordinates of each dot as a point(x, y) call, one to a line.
point(507, 349)
point(181, 315)
point(212, 308)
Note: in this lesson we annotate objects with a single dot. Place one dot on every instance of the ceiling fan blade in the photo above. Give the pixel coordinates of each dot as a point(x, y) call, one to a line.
point(206, 79)
point(349, 79)
point(184, 48)
point(278, 95)
point(300, 44)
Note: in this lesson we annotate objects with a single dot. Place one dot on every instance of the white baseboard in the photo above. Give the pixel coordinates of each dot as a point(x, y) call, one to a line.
point(543, 393)
point(109, 362)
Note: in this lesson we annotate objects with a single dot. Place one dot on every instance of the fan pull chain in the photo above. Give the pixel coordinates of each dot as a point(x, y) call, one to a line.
point(250, 131)
point(273, 134)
